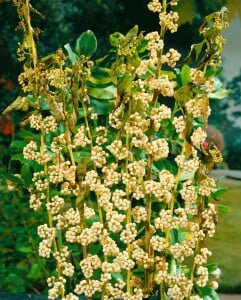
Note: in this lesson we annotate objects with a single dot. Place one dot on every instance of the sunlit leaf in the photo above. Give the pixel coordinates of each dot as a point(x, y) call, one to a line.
point(20, 103)
point(185, 74)
point(207, 293)
point(132, 32)
point(219, 94)
point(115, 39)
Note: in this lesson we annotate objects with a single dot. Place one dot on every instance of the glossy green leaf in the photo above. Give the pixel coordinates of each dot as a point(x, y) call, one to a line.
point(213, 268)
point(86, 44)
point(100, 76)
point(18, 144)
point(142, 46)
point(108, 92)
point(207, 293)
point(102, 107)
point(115, 39)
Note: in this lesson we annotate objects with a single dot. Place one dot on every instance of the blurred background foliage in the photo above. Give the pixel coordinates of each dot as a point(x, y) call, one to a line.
point(62, 22)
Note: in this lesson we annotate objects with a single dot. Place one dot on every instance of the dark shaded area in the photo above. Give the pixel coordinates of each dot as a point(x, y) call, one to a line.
point(5, 296)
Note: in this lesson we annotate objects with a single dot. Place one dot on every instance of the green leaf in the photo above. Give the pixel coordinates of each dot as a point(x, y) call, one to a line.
point(115, 39)
point(18, 157)
point(224, 209)
point(78, 156)
point(187, 175)
point(108, 92)
point(207, 293)
point(185, 74)
point(100, 75)
point(142, 46)
point(72, 56)
point(18, 144)
point(26, 174)
point(102, 107)
point(14, 179)
point(44, 104)
point(124, 82)
point(213, 268)
point(219, 94)
point(18, 286)
point(95, 249)
point(171, 75)
point(23, 249)
point(117, 276)
point(194, 53)
point(220, 191)
point(132, 32)
point(28, 135)
point(35, 272)
point(86, 44)
point(183, 94)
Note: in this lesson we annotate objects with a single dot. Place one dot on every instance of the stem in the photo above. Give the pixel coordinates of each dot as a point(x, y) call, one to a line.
point(128, 215)
point(199, 243)
point(148, 248)
point(29, 29)
point(173, 198)
point(91, 146)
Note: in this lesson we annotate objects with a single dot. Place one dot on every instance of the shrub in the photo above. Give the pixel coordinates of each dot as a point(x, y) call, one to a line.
point(116, 158)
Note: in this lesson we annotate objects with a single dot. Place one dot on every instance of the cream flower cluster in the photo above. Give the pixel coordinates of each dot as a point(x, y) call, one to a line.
point(127, 193)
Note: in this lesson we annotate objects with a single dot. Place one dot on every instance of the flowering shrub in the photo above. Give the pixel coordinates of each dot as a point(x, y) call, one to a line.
point(118, 160)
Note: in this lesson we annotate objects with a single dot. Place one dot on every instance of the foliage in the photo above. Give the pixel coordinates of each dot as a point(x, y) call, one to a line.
point(19, 261)
point(116, 160)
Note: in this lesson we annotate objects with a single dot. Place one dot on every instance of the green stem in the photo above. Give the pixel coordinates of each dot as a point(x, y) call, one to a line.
point(148, 248)
point(128, 215)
